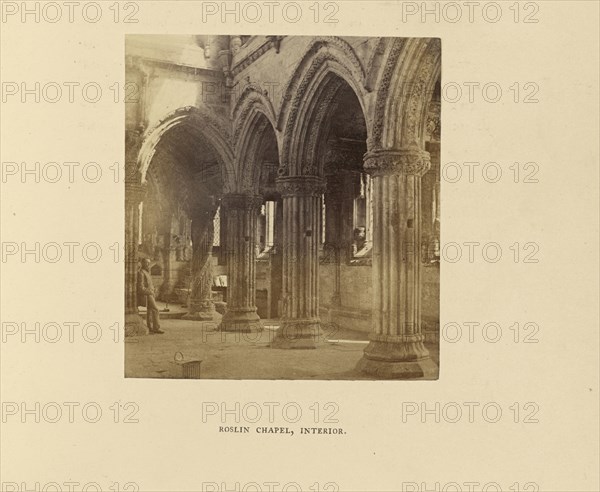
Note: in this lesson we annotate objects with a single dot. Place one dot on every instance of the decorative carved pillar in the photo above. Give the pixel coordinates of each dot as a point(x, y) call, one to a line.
point(134, 194)
point(339, 197)
point(241, 212)
point(135, 122)
point(396, 349)
point(200, 304)
point(235, 44)
point(433, 247)
point(431, 188)
point(301, 326)
point(187, 248)
point(168, 283)
point(277, 261)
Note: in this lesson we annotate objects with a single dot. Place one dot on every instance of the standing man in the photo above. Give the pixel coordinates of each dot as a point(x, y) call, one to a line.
point(145, 289)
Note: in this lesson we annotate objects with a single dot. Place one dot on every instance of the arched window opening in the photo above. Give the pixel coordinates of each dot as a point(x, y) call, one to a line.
point(217, 228)
point(362, 241)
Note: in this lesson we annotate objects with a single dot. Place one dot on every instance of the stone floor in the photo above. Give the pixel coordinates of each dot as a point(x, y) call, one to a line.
point(242, 356)
point(168, 310)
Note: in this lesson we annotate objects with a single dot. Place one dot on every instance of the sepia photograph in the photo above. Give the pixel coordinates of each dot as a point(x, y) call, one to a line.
point(282, 207)
point(248, 262)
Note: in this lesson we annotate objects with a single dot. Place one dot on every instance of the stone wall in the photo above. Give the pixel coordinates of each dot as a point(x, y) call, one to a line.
point(263, 287)
point(430, 301)
point(165, 83)
point(354, 313)
point(257, 62)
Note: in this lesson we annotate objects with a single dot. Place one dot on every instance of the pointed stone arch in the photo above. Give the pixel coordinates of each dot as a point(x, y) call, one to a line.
point(405, 86)
point(322, 48)
point(156, 180)
point(374, 64)
point(314, 83)
point(419, 95)
point(254, 124)
point(252, 98)
point(212, 130)
point(257, 136)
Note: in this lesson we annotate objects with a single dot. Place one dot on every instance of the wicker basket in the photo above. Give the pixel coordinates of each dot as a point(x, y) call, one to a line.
point(190, 369)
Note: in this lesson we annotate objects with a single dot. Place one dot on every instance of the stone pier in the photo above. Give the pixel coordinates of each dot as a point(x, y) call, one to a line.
point(200, 305)
point(300, 324)
point(396, 349)
point(134, 194)
point(241, 213)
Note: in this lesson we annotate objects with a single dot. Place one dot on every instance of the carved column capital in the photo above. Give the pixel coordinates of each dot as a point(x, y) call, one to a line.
point(203, 214)
point(410, 160)
point(242, 202)
point(343, 156)
point(342, 184)
point(301, 186)
point(433, 126)
point(135, 192)
point(133, 144)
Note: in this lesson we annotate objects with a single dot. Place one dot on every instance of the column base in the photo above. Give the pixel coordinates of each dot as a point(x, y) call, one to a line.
point(134, 325)
point(199, 316)
point(241, 322)
point(299, 334)
point(200, 311)
point(397, 358)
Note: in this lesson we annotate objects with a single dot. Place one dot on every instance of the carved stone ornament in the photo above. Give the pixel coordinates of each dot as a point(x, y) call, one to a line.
point(243, 202)
point(433, 122)
point(205, 116)
point(252, 57)
point(301, 186)
point(346, 156)
point(311, 51)
point(300, 96)
point(419, 91)
point(384, 88)
point(397, 161)
point(251, 98)
point(321, 51)
point(134, 192)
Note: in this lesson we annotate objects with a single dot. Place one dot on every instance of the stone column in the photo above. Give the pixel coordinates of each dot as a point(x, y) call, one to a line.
point(432, 184)
point(168, 283)
point(135, 122)
point(300, 324)
point(339, 197)
point(241, 212)
point(277, 261)
point(396, 349)
point(433, 246)
point(200, 305)
point(134, 194)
